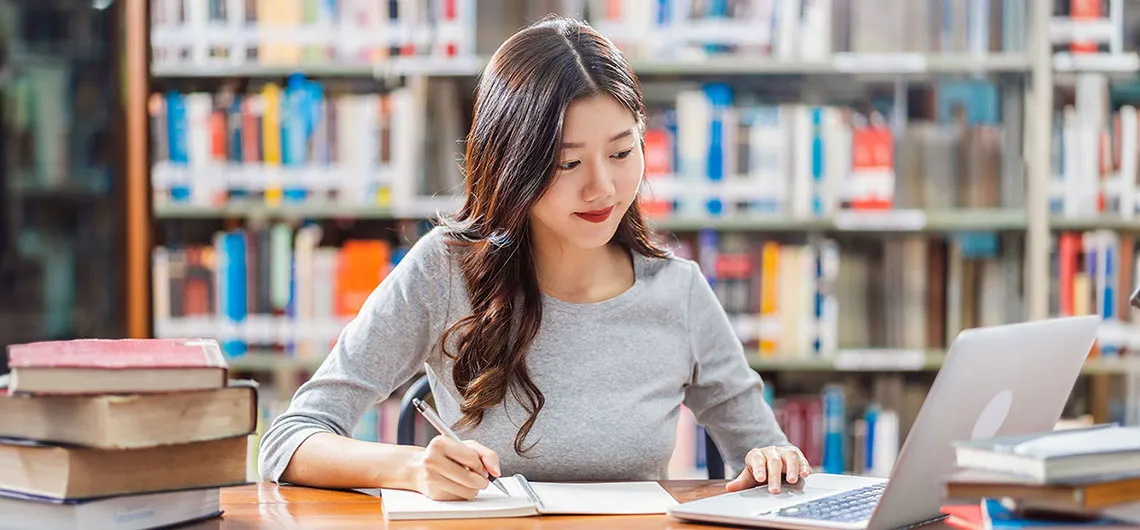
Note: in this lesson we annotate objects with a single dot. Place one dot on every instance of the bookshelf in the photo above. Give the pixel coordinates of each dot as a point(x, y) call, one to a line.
point(855, 361)
point(60, 259)
point(1014, 84)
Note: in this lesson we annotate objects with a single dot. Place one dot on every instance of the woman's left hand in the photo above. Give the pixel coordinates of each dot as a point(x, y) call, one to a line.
point(769, 464)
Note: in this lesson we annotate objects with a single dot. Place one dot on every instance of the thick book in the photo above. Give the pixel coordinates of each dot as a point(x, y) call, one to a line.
point(1053, 456)
point(93, 366)
point(128, 421)
point(68, 472)
point(533, 498)
point(124, 512)
point(1089, 494)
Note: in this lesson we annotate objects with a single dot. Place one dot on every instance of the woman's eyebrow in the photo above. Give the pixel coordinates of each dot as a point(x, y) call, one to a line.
point(624, 134)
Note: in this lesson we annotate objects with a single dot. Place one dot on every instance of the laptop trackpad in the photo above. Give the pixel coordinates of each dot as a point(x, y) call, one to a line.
point(760, 500)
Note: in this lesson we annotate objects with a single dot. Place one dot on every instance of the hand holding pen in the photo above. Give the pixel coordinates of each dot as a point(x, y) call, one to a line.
point(454, 469)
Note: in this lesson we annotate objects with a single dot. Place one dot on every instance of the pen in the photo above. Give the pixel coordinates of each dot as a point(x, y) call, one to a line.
point(436, 422)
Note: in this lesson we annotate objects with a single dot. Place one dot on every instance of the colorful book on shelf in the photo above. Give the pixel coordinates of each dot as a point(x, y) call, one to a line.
point(89, 366)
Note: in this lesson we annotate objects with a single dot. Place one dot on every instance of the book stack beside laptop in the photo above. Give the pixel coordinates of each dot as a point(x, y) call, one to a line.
point(120, 434)
point(1085, 476)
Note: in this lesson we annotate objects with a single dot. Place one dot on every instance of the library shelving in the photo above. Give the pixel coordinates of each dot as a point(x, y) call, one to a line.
point(851, 361)
point(1002, 184)
point(60, 256)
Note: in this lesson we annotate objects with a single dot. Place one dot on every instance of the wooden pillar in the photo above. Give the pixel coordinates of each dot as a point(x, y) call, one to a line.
point(137, 176)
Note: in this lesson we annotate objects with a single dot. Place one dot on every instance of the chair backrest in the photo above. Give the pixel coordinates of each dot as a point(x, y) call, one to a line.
point(420, 389)
point(406, 424)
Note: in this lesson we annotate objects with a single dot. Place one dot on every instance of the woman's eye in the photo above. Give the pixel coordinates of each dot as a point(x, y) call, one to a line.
point(566, 166)
point(623, 155)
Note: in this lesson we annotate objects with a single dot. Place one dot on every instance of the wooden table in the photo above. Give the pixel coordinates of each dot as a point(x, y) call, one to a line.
point(267, 505)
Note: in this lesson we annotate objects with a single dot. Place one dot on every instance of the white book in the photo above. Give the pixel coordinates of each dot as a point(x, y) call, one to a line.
point(1070, 132)
point(802, 184)
point(160, 281)
point(816, 30)
point(324, 278)
point(307, 239)
point(1091, 102)
point(532, 498)
point(885, 444)
point(125, 512)
point(694, 113)
point(1128, 159)
point(788, 25)
point(769, 158)
point(836, 159)
point(408, 133)
point(827, 284)
point(197, 18)
point(235, 26)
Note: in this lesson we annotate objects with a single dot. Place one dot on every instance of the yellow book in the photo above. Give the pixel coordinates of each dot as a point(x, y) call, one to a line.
point(271, 140)
point(769, 298)
point(1082, 294)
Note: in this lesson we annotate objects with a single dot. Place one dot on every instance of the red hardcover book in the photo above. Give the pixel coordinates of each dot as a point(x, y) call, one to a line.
point(104, 366)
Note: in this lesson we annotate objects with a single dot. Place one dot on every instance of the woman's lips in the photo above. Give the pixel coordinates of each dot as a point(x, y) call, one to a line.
point(596, 216)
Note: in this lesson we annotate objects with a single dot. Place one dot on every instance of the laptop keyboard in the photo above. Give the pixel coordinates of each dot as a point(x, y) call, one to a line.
point(847, 507)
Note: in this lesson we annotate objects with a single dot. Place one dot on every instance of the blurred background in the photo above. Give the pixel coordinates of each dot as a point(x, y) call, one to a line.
point(859, 179)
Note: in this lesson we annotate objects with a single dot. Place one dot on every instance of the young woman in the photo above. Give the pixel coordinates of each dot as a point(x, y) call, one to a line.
point(556, 337)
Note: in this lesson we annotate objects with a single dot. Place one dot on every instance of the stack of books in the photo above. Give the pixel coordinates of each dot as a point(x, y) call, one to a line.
point(1078, 477)
point(122, 434)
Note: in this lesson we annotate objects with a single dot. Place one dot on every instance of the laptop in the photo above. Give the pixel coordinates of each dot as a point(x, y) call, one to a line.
point(1000, 380)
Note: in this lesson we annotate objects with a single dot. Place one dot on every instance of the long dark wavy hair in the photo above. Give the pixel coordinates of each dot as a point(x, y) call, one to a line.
point(511, 156)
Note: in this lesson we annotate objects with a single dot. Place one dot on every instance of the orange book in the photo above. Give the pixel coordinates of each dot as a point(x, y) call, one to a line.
point(658, 158)
point(872, 149)
point(250, 133)
point(218, 136)
point(363, 264)
point(769, 298)
point(1083, 10)
point(1068, 253)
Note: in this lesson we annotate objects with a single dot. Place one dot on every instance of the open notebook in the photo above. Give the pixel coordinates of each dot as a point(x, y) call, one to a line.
point(533, 498)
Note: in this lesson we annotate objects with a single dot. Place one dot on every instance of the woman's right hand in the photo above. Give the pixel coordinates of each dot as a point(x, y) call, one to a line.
point(453, 471)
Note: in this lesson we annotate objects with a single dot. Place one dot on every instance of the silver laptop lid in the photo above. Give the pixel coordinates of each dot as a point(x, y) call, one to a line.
point(1010, 379)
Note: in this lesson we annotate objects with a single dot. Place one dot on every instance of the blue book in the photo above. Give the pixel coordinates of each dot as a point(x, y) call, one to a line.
point(870, 417)
point(233, 270)
point(998, 517)
point(834, 429)
point(178, 138)
point(720, 100)
point(295, 115)
point(817, 159)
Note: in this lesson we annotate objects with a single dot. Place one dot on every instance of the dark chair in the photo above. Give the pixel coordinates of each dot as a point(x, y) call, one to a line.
point(406, 427)
point(406, 424)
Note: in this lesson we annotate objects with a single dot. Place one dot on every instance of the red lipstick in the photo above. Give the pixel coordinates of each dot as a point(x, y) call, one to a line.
point(596, 216)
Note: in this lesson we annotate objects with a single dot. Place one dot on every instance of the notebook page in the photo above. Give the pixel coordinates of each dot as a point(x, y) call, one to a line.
point(490, 502)
point(603, 498)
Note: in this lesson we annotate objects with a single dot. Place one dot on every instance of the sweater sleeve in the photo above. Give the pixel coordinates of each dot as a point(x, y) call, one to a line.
point(724, 393)
point(382, 348)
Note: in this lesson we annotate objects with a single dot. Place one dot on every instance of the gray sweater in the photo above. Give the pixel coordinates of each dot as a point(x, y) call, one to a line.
point(614, 373)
